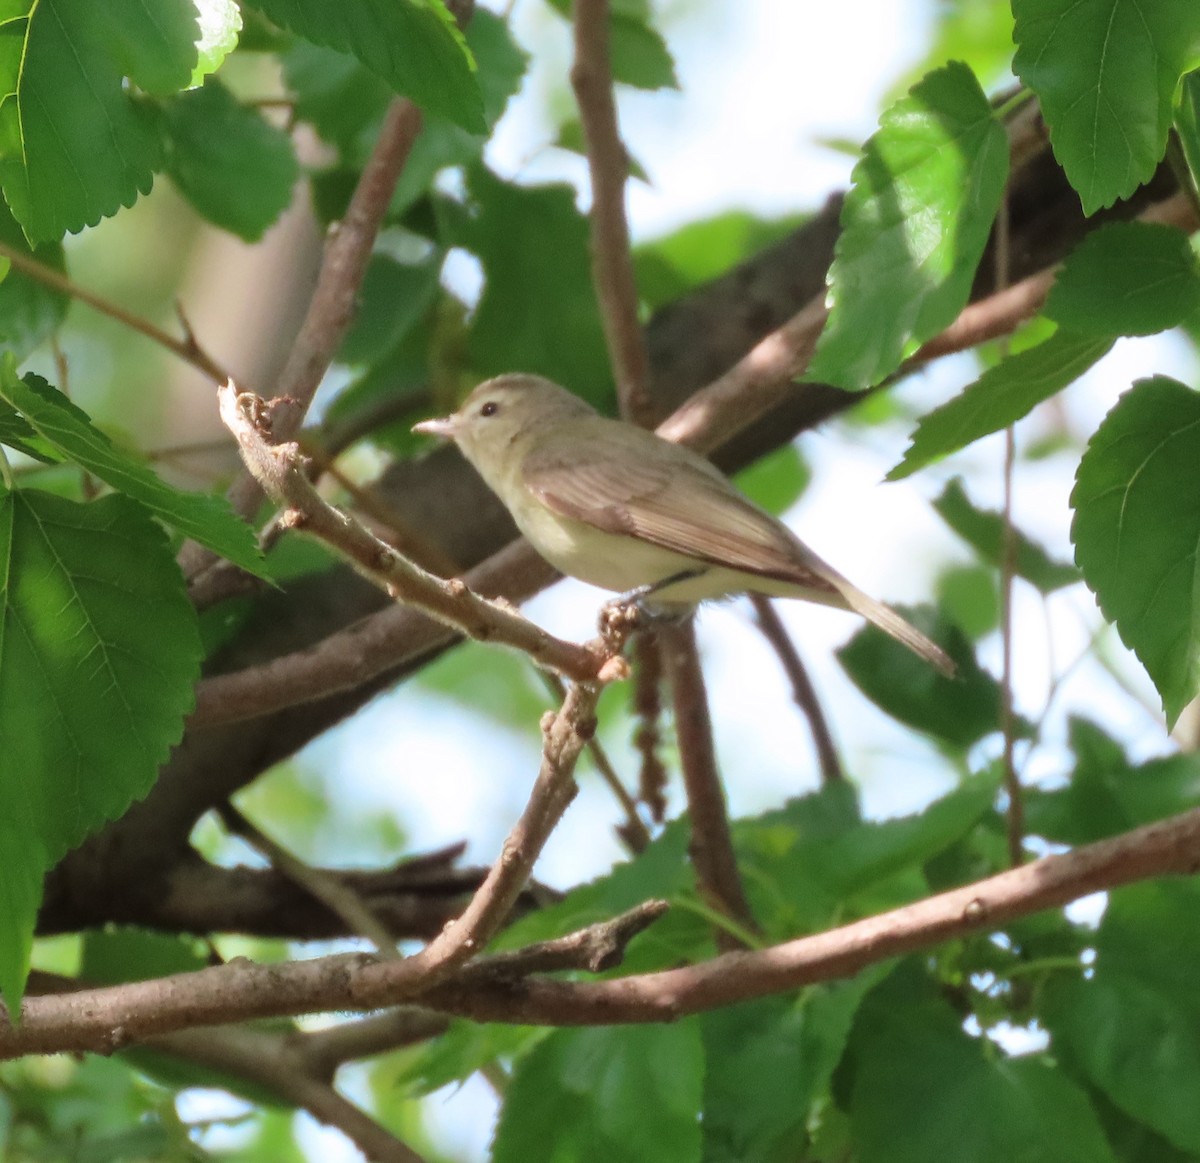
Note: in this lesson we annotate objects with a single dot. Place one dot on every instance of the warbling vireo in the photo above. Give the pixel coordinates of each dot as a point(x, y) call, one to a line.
point(623, 509)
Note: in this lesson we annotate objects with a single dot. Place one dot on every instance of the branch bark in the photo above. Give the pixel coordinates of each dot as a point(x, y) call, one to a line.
point(711, 845)
point(106, 1019)
point(608, 165)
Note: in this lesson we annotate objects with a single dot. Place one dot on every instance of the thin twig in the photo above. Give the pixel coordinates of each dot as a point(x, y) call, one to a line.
point(596, 948)
point(105, 1019)
point(278, 470)
point(335, 296)
point(331, 308)
point(647, 707)
point(319, 883)
point(414, 544)
point(269, 1061)
point(1015, 814)
point(803, 691)
point(564, 735)
point(632, 831)
point(608, 165)
point(186, 349)
point(711, 844)
point(323, 1051)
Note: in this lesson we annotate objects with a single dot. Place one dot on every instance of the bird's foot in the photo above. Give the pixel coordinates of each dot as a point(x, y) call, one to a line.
point(630, 612)
point(620, 617)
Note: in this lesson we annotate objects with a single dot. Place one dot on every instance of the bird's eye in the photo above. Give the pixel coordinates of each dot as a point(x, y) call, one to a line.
point(490, 408)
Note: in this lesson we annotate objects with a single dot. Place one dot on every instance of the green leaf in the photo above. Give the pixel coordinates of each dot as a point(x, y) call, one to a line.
point(1000, 397)
point(923, 1090)
point(1106, 72)
point(393, 298)
point(1107, 794)
point(30, 312)
point(1127, 278)
point(69, 430)
point(414, 45)
point(1133, 1029)
point(1187, 124)
point(624, 1094)
point(220, 25)
point(1133, 1141)
point(99, 652)
point(16, 433)
point(970, 596)
point(701, 251)
point(640, 56)
point(455, 1055)
point(984, 532)
point(502, 65)
point(959, 711)
point(337, 95)
point(74, 143)
point(848, 867)
point(778, 480)
point(913, 228)
point(231, 165)
point(1136, 529)
point(767, 1062)
point(538, 310)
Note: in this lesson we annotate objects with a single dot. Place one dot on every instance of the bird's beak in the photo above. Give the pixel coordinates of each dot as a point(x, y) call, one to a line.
point(443, 427)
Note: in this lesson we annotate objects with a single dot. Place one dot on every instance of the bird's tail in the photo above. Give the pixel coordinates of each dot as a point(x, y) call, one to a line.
point(891, 623)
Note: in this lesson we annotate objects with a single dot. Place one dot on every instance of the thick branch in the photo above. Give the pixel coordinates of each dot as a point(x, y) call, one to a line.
point(348, 660)
point(105, 1019)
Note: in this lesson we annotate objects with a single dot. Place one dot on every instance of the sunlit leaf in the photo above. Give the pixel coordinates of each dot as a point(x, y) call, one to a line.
point(913, 228)
point(1136, 530)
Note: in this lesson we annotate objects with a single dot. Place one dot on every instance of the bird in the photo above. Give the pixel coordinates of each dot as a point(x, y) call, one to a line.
point(623, 509)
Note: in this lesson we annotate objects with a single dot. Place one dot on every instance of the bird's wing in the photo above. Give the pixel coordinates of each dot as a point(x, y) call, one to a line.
point(630, 482)
point(633, 483)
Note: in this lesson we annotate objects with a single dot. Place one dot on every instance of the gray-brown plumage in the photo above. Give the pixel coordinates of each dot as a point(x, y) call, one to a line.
point(621, 508)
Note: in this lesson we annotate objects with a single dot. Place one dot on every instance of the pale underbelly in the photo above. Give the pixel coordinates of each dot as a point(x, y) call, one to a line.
point(621, 563)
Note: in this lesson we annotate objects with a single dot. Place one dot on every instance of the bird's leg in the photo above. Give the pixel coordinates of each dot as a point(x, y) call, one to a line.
point(630, 608)
point(639, 595)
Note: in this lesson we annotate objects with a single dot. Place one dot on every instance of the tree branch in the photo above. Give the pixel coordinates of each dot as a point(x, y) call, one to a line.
point(765, 375)
point(105, 1019)
point(277, 469)
point(324, 886)
point(608, 165)
point(711, 845)
point(187, 349)
point(564, 736)
point(334, 298)
point(803, 691)
point(275, 1063)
